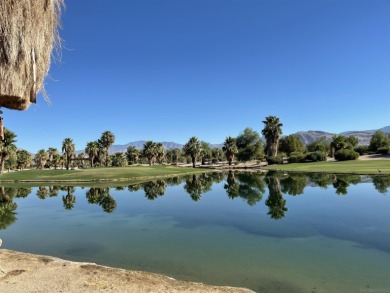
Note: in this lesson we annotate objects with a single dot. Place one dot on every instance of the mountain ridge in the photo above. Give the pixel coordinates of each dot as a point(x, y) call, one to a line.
point(307, 137)
point(364, 136)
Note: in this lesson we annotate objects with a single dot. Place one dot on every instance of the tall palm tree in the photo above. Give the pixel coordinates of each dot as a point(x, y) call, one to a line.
point(68, 148)
point(192, 148)
point(92, 149)
point(105, 142)
point(7, 147)
point(272, 131)
point(230, 148)
point(149, 151)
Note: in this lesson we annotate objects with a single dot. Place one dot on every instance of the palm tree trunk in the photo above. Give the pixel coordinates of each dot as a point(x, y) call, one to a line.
point(2, 164)
point(193, 162)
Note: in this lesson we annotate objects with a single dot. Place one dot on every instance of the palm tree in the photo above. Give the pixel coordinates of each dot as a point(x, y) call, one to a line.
point(272, 131)
point(80, 160)
point(68, 148)
point(61, 161)
point(176, 154)
point(205, 153)
point(192, 148)
point(132, 154)
point(92, 149)
point(173, 155)
point(105, 142)
point(160, 152)
point(7, 147)
point(40, 158)
point(230, 148)
point(149, 151)
point(52, 152)
point(23, 159)
point(119, 160)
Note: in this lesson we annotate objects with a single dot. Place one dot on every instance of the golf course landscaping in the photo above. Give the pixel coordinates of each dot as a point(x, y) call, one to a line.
point(368, 167)
point(98, 174)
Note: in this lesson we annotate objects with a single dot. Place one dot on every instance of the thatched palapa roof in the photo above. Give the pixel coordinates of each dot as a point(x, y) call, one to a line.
point(28, 34)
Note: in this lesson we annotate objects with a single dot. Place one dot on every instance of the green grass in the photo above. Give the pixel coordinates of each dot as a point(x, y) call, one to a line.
point(98, 174)
point(368, 167)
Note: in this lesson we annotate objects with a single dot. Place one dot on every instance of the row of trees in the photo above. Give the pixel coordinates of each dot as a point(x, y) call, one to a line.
point(247, 146)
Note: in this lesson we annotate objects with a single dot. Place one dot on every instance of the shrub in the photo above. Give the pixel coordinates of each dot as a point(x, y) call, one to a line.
point(317, 156)
point(275, 160)
point(361, 149)
point(296, 157)
point(345, 155)
point(382, 150)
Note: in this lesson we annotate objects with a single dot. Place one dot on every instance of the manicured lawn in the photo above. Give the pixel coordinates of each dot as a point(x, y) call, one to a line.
point(92, 174)
point(353, 167)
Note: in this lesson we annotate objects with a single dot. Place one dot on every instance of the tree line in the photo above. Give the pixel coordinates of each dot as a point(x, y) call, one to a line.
point(247, 146)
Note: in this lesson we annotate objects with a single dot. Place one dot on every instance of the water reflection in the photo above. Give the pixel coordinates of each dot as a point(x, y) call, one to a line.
point(69, 200)
point(275, 201)
point(196, 185)
point(293, 184)
point(381, 183)
point(342, 182)
point(247, 186)
point(154, 189)
point(7, 207)
point(101, 197)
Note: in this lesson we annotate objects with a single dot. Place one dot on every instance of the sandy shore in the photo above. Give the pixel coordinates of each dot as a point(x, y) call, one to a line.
point(22, 272)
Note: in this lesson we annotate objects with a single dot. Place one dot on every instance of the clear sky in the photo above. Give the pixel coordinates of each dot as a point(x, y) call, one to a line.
point(166, 70)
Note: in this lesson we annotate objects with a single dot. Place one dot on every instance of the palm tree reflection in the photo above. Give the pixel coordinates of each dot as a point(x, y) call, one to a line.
point(102, 197)
point(275, 202)
point(69, 200)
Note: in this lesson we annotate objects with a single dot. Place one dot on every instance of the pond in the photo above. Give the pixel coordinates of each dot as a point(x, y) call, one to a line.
point(270, 233)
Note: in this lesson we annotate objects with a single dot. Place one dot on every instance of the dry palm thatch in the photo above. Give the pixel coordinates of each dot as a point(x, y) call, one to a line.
point(28, 34)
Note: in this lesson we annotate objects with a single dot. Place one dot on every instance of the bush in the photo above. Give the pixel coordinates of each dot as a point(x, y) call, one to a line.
point(317, 156)
point(275, 160)
point(382, 150)
point(361, 149)
point(345, 155)
point(296, 157)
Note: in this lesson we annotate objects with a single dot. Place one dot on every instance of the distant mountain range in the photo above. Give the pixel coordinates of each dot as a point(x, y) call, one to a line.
point(306, 137)
point(364, 136)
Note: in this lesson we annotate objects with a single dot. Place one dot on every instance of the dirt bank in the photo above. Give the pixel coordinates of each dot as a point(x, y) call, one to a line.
point(22, 272)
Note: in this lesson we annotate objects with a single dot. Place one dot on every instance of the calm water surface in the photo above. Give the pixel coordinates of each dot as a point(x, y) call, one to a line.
point(273, 233)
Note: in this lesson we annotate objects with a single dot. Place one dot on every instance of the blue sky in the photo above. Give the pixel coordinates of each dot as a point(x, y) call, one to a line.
point(166, 70)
